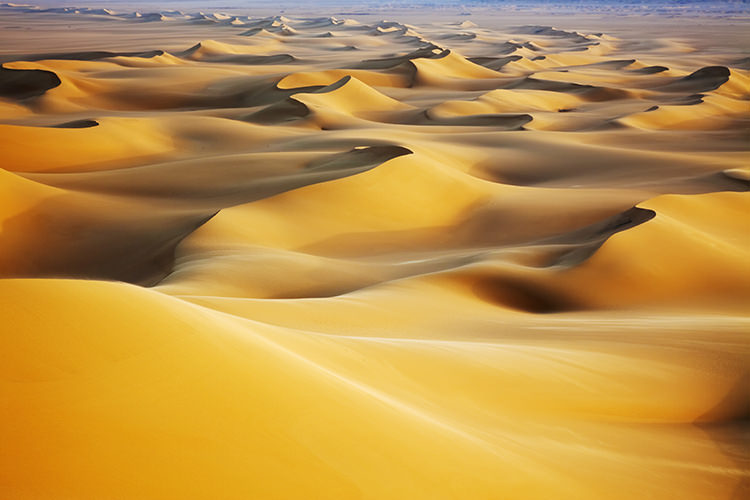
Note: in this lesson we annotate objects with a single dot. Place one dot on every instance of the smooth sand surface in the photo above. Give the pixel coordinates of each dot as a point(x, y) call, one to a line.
point(287, 257)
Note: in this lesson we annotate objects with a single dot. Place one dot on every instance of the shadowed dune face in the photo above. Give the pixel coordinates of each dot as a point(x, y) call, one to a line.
point(20, 84)
point(78, 56)
point(321, 257)
point(703, 80)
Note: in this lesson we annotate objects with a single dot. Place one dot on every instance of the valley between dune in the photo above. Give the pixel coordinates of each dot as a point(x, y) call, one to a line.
point(301, 256)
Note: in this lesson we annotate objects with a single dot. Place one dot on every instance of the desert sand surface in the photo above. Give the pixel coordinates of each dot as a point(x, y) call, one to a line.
point(421, 255)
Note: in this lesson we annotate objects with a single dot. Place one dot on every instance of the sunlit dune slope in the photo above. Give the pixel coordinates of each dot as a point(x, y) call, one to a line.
point(180, 388)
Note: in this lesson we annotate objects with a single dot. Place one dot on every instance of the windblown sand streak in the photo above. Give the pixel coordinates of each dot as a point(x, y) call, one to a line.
point(294, 257)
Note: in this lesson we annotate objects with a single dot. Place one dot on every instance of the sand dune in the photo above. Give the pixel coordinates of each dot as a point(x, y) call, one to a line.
point(252, 255)
point(21, 84)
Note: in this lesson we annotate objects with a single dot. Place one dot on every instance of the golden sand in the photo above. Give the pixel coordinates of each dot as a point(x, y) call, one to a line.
point(286, 258)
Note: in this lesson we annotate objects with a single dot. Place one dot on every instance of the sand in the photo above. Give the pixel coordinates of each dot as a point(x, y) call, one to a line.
point(299, 256)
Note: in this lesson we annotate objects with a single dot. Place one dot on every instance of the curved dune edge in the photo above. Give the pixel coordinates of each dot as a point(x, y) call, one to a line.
point(124, 240)
point(645, 265)
point(688, 232)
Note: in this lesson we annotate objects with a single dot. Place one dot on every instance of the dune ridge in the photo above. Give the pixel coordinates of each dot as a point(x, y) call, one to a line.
point(354, 256)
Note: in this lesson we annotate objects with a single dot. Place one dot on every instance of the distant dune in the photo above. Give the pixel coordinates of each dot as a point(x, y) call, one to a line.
point(414, 256)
